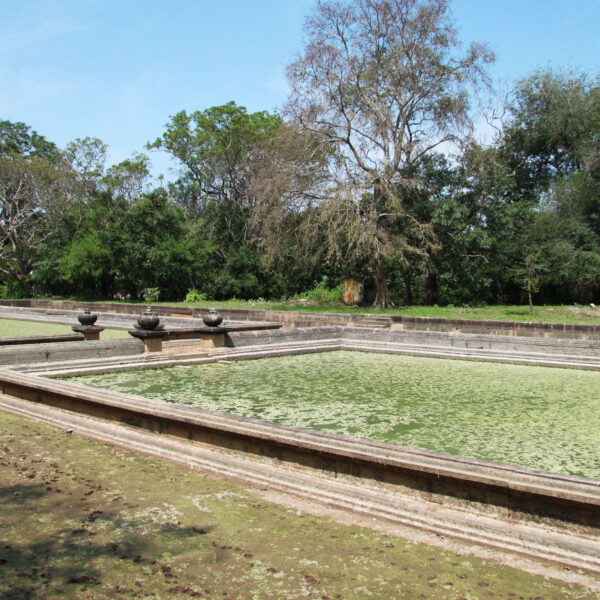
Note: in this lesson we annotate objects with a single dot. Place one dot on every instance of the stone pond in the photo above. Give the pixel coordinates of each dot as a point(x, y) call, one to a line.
point(536, 417)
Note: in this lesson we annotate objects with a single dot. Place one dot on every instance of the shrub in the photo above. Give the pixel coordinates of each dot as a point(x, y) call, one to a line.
point(150, 294)
point(194, 295)
point(323, 294)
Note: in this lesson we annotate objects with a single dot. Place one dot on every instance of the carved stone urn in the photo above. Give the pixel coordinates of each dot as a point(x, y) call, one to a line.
point(212, 318)
point(148, 320)
point(87, 318)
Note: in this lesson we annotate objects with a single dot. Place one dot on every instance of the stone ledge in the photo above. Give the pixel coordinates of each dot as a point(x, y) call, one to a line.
point(41, 339)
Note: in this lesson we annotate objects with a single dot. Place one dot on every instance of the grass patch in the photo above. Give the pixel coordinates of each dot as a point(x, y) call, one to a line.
point(582, 314)
point(84, 520)
point(14, 328)
point(540, 314)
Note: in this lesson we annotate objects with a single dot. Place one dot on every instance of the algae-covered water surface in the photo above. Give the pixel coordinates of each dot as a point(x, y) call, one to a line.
point(535, 417)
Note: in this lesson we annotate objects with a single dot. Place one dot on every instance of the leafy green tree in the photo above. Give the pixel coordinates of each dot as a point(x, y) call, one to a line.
point(551, 148)
point(17, 139)
point(554, 127)
point(128, 179)
point(152, 249)
point(214, 147)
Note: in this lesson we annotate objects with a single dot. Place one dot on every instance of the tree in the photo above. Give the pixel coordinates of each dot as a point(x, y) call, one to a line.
point(151, 248)
point(28, 189)
point(289, 174)
point(384, 82)
point(550, 145)
point(214, 147)
point(554, 127)
point(88, 158)
point(129, 178)
point(16, 139)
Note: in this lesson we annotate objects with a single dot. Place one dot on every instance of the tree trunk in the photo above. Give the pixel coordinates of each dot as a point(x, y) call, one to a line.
point(408, 278)
point(530, 296)
point(431, 287)
point(382, 294)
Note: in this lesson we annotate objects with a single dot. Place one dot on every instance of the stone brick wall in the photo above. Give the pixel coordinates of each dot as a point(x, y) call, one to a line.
point(41, 353)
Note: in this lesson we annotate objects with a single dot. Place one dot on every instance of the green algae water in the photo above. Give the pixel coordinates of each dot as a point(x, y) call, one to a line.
point(536, 417)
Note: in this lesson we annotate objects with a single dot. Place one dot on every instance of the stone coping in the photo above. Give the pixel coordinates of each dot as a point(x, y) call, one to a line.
point(563, 497)
point(118, 320)
point(40, 339)
point(564, 353)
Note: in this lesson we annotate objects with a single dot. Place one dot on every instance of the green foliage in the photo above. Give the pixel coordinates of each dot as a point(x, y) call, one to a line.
point(16, 139)
point(518, 220)
point(128, 179)
point(208, 141)
point(323, 292)
point(213, 146)
point(193, 296)
point(151, 294)
point(151, 249)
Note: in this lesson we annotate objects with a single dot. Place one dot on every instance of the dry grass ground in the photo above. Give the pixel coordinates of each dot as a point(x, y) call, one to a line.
point(83, 520)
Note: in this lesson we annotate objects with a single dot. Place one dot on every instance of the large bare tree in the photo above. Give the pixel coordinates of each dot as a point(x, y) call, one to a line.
point(32, 191)
point(384, 82)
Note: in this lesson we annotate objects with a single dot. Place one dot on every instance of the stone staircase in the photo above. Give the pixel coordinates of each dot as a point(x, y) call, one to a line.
point(374, 321)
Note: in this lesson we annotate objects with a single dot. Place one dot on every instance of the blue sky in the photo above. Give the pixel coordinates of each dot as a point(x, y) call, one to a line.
point(117, 69)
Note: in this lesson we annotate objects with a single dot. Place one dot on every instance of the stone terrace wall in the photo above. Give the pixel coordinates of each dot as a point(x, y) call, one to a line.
point(41, 353)
point(309, 319)
point(476, 341)
point(518, 328)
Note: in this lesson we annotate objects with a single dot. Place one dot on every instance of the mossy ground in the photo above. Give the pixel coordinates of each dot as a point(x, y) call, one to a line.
point(85, 520)
point(14, 328)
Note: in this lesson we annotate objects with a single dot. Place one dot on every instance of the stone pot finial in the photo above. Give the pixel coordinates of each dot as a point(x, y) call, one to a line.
point(148, 320)
point(87, 318)
point(212, 318)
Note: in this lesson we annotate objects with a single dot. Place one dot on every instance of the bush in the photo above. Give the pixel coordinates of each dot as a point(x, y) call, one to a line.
point(194, 295)
point(323, 294)
point(150, 294)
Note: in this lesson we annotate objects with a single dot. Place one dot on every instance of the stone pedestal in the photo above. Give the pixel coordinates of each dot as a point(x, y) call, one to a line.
point(212, 337)
point(152, 339)
point(216, 340)
point(90, 332)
